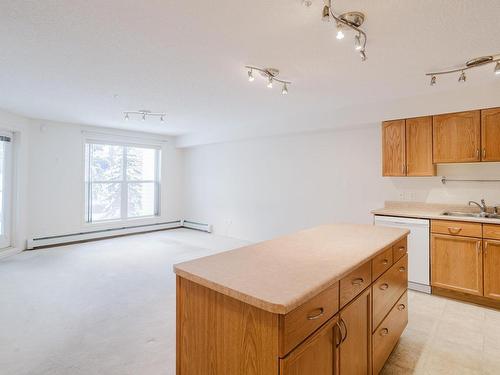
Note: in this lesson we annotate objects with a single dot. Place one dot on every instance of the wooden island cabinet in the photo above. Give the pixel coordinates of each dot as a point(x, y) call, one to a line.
point(309, 311)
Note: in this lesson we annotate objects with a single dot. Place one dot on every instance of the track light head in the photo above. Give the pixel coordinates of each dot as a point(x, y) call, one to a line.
point(143, 117)
point(340, 33)
point(363, 55)
point(126, 117)
point(285, 89)
point(270, 82)
point(326, 14)
point(251, 78)
point(462, 77)
point(357, 42)
point(162, 119)
point(497, 68)
point(433, 80)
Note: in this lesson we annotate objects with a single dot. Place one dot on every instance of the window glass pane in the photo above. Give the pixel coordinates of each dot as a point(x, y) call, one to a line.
point(141, 164)
point(141, 199)
point(2, 176)
point(106, 163)
point(106, 201)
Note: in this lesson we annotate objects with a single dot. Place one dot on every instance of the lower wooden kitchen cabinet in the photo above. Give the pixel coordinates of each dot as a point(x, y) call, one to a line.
point(492, 269)
point(317, 355)
point(457, 263)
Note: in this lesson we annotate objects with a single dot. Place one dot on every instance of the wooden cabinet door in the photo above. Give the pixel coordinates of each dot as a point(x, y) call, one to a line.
point(492, 269)
point(317, 355)
point(393, 148)
point(457, 137)
point(457, 263)
point(490, 134)
point(419, 147)
point(355, 348)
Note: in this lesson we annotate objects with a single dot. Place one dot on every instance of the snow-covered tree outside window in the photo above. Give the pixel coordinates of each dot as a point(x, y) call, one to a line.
point(122, 181)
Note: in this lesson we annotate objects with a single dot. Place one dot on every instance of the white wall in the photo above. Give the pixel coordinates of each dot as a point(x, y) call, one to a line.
point(261, 188)
point(56, 172)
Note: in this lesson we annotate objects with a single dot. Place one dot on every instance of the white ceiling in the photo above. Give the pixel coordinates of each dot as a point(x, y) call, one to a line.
point(65, 60)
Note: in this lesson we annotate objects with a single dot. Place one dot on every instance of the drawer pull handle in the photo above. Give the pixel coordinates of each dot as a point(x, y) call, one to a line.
point(402, 269)
point(385, 261)
point(384, 332)
point(358, 281)
point(454, 230)
point(401, 307)
point(320, 313)
point(402, 248)
point(384, 286)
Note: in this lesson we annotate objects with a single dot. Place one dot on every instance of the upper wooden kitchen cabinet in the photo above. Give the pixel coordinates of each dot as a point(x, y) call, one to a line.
point(407, 147)
point(419, 147)
point(393, 148)
point(490, 134)
point(457, 137)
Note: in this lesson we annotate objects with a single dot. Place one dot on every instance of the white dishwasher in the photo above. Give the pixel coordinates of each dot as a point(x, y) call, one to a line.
point(418, 249)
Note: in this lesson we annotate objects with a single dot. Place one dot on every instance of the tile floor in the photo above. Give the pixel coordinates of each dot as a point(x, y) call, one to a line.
point(447, 337)
point(108, 307)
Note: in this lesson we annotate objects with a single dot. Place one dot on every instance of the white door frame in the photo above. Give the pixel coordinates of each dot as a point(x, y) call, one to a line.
point(5, 233)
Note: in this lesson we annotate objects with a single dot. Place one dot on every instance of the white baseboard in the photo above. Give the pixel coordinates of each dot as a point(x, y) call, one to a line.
point(419, 287)
point(34, 243)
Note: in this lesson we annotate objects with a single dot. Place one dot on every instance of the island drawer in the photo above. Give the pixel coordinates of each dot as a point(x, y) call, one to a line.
point(354, 283)
point(298, 324)
point(382, 263)
point(388, 289)
point(399, 249)
point(491, 231)
point(457, 228)
point(387, 335)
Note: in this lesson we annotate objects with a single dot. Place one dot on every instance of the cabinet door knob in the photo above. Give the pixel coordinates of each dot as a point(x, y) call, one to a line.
point(358, 281)
point(485, 247)
point(401, 307)
point(384, 286)
point(478, 246)
point(384, 332)
point(345, 328)
point(402, 269)
point(385, 261)
point(402, 248)
point(477, 153)
point(484, 153)
point(319, 313)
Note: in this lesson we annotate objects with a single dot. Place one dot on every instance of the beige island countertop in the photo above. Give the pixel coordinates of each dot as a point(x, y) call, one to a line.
point(280, 274)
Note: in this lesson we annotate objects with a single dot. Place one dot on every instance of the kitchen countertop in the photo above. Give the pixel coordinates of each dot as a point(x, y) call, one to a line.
point(281, 274)
point(429, 211)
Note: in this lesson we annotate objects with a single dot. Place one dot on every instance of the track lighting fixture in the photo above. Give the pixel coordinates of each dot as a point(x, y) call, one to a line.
point(144, 114)
point(340, 33)
point(471, 64)
point(271, 75)
point(270, 82)
point(285, 89)
point(251, 78)
point(357, 42)
point(344, 22)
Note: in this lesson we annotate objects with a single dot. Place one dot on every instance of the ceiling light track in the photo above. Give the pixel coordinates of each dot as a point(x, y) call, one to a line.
point(144, 114)
point(348, 21)
point(270, 74)
point(471, 64)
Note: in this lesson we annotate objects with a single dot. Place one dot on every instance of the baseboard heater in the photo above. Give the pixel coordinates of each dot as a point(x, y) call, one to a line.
point(197, 226)
point(34, 243)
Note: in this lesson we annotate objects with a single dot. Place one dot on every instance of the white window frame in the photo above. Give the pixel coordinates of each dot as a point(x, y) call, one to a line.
point(124, 182)
point(5, 237)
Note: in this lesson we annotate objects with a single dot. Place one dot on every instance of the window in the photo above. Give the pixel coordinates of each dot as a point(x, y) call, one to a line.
point(5, 188)
point(122, 181)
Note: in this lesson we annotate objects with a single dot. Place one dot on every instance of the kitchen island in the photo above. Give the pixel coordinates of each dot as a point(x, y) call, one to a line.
point(327, 300)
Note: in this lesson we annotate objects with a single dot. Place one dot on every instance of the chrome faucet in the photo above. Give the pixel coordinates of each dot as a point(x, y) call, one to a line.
point(481, 206)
